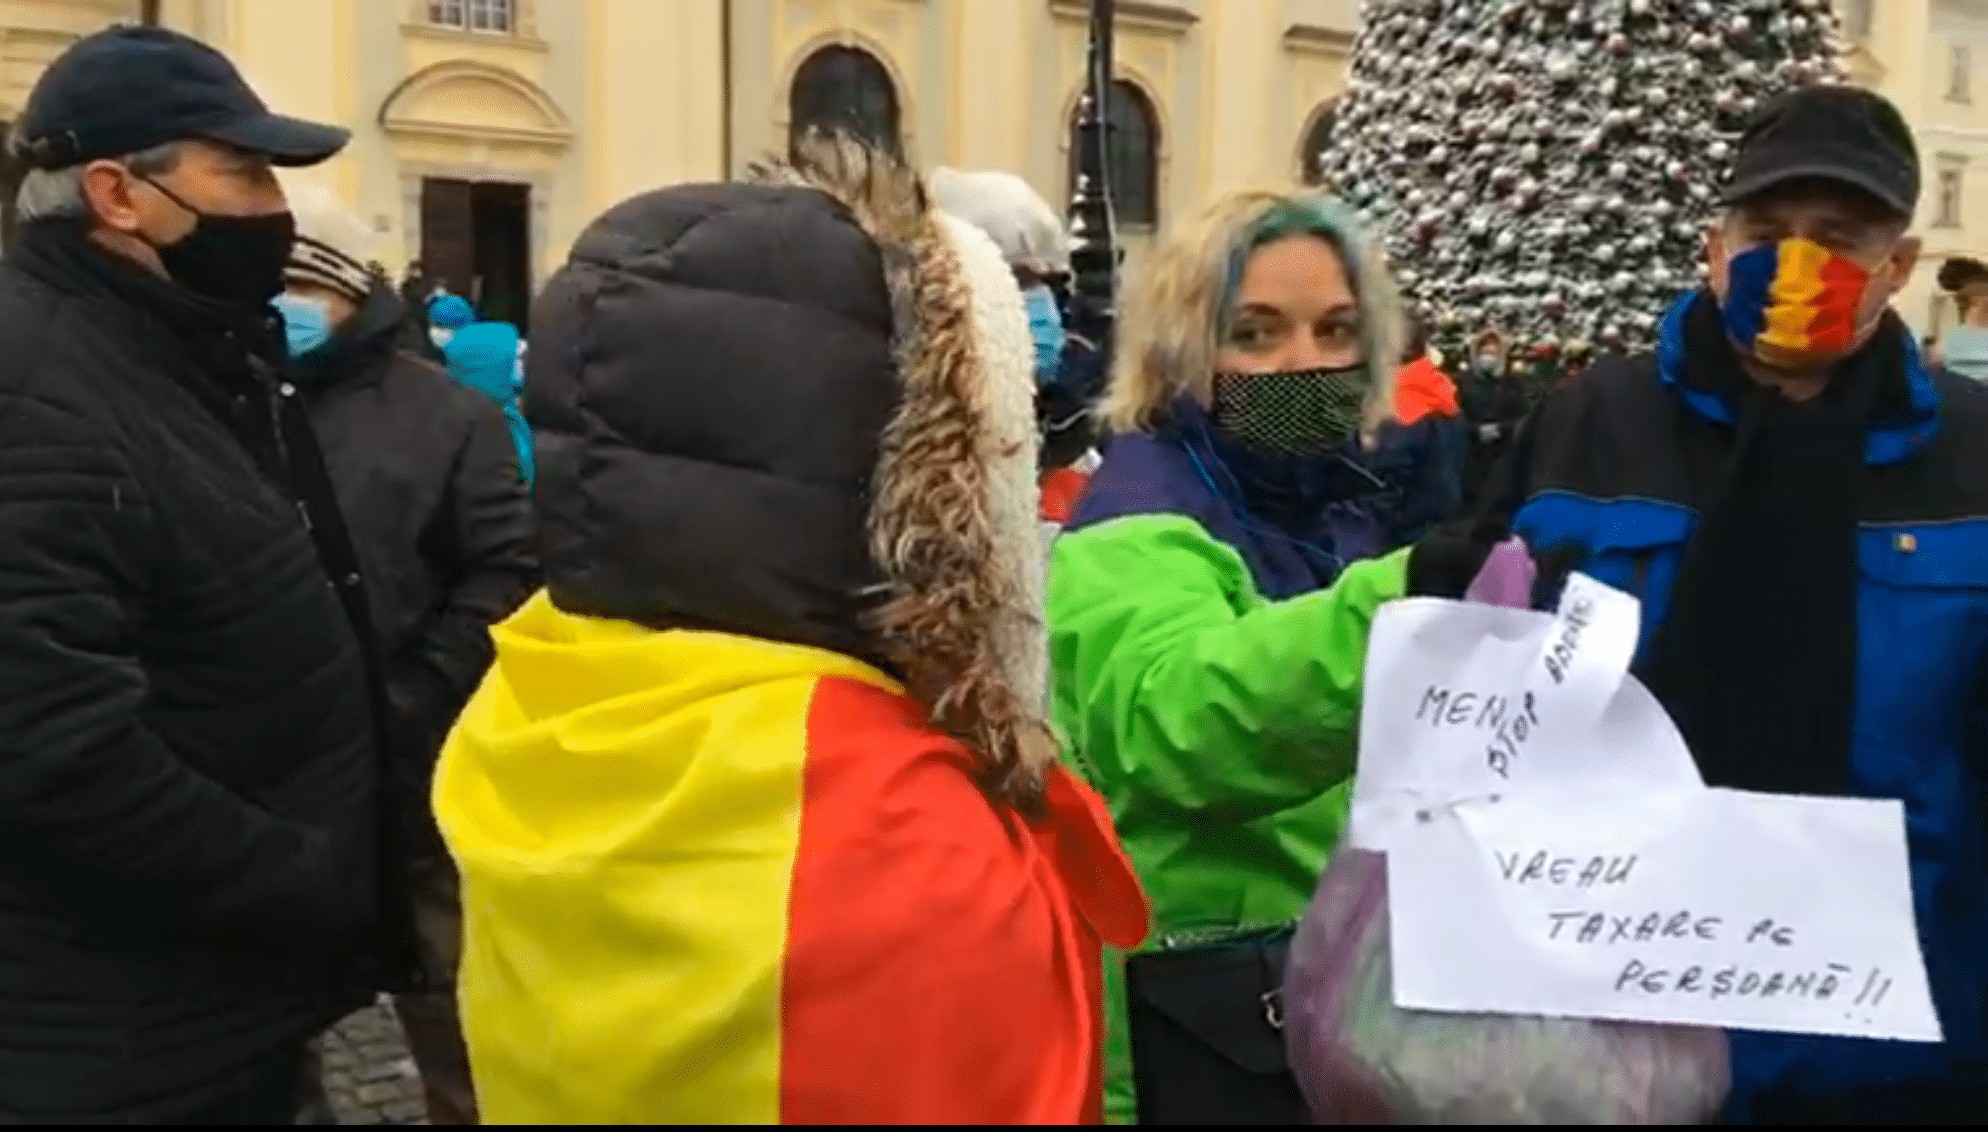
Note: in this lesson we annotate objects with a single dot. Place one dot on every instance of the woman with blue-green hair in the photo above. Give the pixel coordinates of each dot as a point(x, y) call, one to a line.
point(1209, 605)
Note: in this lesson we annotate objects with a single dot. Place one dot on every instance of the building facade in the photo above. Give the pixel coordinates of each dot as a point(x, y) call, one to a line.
point(487, 133)
point(1931, 58)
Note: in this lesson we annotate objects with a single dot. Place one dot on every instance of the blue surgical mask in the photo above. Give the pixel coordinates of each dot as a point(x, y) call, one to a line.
point(1046, 327)
point(306, 322)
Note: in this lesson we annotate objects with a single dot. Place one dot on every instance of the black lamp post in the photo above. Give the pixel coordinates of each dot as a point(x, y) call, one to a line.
point(148, 12)
point(1093, 240)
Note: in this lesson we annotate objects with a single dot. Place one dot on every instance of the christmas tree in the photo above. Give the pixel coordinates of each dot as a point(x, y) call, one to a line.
point(1547, 168)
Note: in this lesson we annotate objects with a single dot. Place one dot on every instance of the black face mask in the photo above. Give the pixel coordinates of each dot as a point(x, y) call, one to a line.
point(232, 259)
point(1293, 412)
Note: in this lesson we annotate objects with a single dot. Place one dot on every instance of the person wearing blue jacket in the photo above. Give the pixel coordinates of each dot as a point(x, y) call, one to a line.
point(485, 357)
point(1801, 504)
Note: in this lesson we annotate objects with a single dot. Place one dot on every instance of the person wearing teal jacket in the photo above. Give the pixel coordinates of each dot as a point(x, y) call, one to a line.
point(1209, 604)
point(485, 357)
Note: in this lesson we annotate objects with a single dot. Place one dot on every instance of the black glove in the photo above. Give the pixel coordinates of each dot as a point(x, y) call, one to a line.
point(1447, 559)
point(1555, 563)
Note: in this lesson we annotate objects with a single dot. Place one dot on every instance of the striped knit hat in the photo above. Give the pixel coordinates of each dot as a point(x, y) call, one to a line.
point(333, 246)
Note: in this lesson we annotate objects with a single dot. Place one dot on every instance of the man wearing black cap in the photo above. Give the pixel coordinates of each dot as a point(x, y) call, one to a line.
point(1801, 503)
point(190, 816)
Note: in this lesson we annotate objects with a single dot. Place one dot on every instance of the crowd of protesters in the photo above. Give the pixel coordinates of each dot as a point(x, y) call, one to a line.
point(677, 719)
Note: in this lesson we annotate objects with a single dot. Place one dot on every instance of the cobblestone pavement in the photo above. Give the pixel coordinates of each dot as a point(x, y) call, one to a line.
point(369, 1078)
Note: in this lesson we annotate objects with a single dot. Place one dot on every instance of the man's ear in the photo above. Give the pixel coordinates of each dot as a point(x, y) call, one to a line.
point(106, 187)
point(1902, 260)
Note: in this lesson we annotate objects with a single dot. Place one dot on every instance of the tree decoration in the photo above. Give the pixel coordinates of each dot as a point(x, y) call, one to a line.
point(1547, 168)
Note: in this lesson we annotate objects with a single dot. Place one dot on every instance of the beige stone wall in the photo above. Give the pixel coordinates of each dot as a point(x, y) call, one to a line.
point(589, 101)
point(1908, 55)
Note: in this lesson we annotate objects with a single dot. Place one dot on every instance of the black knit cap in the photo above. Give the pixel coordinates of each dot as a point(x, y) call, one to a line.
point(1829, 133)
point(128, 89)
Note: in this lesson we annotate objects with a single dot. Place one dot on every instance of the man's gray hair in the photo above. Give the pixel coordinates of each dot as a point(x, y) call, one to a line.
point(50, 193)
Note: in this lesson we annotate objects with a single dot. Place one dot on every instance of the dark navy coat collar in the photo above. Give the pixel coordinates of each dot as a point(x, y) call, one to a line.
point(1889, 442)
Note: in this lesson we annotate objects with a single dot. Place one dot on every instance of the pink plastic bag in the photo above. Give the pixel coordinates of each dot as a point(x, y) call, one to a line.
point(1360, 1059)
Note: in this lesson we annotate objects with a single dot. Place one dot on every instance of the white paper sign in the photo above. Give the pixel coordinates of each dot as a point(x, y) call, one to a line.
point(1468, 702)
point(1552, 849)
point(1715, 907)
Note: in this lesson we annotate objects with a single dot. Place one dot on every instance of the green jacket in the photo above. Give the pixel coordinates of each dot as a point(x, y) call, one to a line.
point(1218, 724)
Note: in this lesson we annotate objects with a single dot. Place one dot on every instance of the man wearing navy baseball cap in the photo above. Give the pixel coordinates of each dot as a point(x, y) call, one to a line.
point(158, 136)
point(193, 879)
point(1801, 503)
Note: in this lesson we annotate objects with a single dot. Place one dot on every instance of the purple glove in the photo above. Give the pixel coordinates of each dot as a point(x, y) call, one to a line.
point(1506, 577)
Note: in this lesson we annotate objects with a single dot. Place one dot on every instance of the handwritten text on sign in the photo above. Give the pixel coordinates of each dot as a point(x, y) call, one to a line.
point(1712, 907)
point(1469, 701)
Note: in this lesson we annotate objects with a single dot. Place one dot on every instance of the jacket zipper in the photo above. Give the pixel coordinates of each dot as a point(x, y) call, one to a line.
point(1202, 937)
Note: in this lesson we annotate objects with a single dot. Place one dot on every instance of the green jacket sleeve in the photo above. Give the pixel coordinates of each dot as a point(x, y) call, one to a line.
point(1179, 687)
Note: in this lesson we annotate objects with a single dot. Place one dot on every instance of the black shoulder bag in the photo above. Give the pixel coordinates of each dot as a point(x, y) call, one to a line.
point(1206, 1023)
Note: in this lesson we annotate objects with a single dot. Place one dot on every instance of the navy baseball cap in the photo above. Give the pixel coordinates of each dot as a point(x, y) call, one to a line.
point(1831, 133)
point(131, 88)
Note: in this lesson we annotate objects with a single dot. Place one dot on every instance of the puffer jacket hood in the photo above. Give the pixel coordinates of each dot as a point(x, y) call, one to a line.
point(801, 409)
point(484, 356)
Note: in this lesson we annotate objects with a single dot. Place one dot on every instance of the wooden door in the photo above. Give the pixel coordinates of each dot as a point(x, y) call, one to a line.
point(502, 214)
point(448, 234)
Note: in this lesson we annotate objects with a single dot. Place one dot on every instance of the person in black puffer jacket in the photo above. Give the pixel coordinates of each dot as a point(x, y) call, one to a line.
point(427, 476)
point(192, 856)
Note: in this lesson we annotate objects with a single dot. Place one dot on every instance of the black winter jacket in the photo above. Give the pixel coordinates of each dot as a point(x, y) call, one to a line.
point(428, 480)
point(189, 789)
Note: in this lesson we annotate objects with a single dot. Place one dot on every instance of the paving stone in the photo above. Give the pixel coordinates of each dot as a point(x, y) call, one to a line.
point(369, 1077)
point(413, 1111)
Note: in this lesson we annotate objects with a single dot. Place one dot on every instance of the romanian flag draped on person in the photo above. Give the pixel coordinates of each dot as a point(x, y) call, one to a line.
point(717, 879)
point(757, 815)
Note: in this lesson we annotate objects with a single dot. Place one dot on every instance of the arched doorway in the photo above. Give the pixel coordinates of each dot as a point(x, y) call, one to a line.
point(474, 197)
point(1132, 146)
point(845, 88)
point(1317, 136)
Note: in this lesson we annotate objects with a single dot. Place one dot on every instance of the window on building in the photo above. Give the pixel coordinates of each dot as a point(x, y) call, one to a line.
point(1962, 66)
point(1132, 155)
point(845, 88)
point(473, 15)
point(1310, 171)
point(1951, 184)
point(1856, 18)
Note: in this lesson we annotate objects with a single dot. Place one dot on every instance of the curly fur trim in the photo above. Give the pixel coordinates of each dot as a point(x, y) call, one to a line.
point(954, 607)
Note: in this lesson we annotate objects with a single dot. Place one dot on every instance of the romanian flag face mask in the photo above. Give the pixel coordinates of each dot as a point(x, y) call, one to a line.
point(1794, 303)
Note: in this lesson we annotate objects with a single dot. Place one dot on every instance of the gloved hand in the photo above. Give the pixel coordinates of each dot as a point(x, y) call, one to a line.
point(1449, 557)
point(1555, 563)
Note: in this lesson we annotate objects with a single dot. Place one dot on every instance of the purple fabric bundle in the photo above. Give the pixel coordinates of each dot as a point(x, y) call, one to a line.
point(1360, 1059)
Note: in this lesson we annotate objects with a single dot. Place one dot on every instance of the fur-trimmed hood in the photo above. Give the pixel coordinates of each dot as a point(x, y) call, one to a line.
point(801, 409)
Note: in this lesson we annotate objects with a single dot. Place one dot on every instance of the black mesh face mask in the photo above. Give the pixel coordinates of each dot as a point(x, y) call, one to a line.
point(1304, 412)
